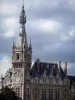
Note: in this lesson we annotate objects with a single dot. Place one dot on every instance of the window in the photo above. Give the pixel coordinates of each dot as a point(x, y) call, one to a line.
point(35, 93)
point(50, 94)
point(24, 55)
point(44, 80)
point(50, 80)
point(57, 94)
point(57, 80)
point(27, 93)
point(65, 82)
point(17, 56)
point(36, 80)
point(28, 57)
point(17, 91)
point(43, 94)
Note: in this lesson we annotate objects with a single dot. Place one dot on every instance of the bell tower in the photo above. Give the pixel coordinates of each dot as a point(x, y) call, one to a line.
point(21, 56)
point(21, 51)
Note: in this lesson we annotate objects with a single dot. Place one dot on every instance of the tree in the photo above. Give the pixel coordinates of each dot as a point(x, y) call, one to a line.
point(8, 94)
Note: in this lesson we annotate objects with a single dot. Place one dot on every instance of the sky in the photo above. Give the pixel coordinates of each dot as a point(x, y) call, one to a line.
point(50, 24)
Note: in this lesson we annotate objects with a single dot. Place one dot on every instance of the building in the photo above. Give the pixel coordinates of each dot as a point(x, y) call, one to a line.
point(42, 81)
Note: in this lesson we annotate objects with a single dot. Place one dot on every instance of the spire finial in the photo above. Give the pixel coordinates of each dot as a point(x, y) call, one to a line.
point(22, 16)
point(23, 3)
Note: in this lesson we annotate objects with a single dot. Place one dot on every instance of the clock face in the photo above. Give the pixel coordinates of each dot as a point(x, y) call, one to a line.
point(17, 79)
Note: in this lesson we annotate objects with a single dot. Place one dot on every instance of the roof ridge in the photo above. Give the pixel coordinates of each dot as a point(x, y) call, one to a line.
point(48, 62)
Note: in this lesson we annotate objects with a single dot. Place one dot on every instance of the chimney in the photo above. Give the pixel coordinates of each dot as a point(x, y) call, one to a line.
point(38, 61)
point(59, 65)
point(65, 68)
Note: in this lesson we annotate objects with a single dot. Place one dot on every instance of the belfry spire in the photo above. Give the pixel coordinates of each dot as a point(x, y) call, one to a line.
point(22, 16)
point(22, 38)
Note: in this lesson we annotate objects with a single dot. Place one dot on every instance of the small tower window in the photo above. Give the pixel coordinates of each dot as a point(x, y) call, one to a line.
point(17, 56)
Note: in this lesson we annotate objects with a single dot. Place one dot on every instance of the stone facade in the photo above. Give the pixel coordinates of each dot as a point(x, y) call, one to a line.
point(42, 81)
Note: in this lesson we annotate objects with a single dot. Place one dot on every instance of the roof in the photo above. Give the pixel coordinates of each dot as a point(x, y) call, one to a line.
point(72, 79)
point(39, 68)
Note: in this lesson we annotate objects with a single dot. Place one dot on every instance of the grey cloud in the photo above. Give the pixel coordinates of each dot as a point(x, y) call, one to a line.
point(46, 46)
point(71, 68)
point(5, 45)
point(62, 12)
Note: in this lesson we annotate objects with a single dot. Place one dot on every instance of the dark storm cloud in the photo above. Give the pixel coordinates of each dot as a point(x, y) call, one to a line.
point(46, 45)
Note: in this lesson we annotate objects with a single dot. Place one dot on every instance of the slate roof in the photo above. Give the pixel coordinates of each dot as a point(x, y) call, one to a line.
point(39, 68)
point(72, 79)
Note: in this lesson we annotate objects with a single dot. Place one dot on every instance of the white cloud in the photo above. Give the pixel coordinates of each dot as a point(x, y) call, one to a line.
point(7, 8)
point(11, 22)
point(5, 63)
point(71, 3)
point(64, 37)
point(72, 32)
point(13, 27)
point(9, 34)
point(49, 26)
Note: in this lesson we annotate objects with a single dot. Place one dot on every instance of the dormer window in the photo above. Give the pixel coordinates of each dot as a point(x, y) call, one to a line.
point(57, 80)
point(36, 80)
point(50, 80)
point(44, 80)
point(65, 82)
